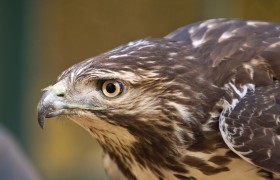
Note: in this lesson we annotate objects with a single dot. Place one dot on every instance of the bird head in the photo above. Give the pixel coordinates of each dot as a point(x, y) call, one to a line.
point(136, 96)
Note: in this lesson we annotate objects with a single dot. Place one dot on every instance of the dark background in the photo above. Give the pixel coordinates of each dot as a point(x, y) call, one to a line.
point(39, 39)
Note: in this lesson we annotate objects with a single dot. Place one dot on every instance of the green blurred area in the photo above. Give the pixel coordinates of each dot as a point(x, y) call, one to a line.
point(12, 64)
point(39, 39)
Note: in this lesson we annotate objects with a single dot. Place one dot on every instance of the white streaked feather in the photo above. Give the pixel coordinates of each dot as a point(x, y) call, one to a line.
point(182, 110)
point(226, 35)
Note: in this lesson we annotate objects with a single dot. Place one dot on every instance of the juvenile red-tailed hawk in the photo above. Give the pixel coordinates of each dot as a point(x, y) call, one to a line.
point(201, 103)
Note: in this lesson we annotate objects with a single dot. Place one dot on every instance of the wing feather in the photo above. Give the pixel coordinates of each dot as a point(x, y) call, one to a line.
point(252, 129)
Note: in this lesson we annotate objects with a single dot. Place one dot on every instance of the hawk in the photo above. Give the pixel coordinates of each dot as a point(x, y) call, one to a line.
point(201, 103)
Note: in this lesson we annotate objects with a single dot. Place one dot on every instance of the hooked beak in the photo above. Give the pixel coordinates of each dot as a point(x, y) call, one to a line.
point(54, 103)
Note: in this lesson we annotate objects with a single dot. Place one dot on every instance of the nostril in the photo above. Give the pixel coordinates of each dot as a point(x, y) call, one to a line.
point(60, 95)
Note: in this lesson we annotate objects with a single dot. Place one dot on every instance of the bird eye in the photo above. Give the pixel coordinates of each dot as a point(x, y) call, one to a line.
point(112, 88)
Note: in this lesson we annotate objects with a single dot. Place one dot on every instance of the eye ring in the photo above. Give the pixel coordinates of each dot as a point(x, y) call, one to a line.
point(112, 88)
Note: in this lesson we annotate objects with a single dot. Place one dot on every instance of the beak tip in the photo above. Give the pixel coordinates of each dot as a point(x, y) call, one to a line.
point(41, 125)
point(41, 121)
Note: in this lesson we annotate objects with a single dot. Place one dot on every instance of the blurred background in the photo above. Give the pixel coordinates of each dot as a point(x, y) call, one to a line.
point(40, 39)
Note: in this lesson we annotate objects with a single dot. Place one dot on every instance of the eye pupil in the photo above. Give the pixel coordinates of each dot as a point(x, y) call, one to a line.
point(110, 88)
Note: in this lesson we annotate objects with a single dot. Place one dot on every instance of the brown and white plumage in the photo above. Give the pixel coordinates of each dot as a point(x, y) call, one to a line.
point(201, 103)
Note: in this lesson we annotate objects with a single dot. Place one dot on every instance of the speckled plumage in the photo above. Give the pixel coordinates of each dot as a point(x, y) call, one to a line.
point(201, 103)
